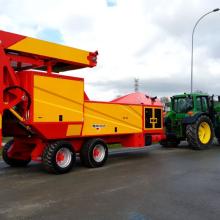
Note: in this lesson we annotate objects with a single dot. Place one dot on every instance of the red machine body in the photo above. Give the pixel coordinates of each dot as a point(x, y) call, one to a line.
point(31, 92)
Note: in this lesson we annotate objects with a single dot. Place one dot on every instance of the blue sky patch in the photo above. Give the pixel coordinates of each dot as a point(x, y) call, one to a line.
point(52, 35)
point(111, 3)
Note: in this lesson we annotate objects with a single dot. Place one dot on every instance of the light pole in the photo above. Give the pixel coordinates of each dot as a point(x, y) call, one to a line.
point(215, 10)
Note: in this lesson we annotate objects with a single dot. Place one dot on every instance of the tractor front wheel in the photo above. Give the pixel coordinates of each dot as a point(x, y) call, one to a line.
point(59, 157)
point(94, 153)
point(200, 134)
point(12, 161)
point(170, 143)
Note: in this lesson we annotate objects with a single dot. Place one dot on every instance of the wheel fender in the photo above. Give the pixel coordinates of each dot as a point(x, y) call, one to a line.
point(193, 119)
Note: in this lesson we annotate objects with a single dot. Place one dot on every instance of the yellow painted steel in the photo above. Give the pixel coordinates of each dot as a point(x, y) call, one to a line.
point(104, 118)
point(153, 120)
point(16, 114)
point(204, 132)
point(57, 98)
point(48, 49)
point(73, 130)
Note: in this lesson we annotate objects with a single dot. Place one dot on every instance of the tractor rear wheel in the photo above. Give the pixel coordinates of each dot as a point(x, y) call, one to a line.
point(200, 134)
point(12, 161)
point(59, 157)
point(94, 153)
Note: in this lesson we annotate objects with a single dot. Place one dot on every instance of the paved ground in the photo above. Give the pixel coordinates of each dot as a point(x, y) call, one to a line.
point(147, 184)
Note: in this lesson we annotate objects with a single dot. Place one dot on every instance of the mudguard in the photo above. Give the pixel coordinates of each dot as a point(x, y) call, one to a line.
point(193, 119)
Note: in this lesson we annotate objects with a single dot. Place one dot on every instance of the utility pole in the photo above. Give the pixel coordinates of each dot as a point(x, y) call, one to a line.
point(214, 10)
point(136, 84)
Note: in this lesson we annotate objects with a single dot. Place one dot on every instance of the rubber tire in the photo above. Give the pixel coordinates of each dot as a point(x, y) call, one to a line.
point(169, 143)
point(49, 157)
point(86, 153)
point(192, 133)
point(11, 161)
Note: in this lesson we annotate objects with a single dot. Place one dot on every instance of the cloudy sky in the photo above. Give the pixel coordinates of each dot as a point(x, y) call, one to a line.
point(145, 39)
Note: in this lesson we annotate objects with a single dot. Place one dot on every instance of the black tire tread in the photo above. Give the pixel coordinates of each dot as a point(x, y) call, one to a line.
point(85, 153)
point(169, 143)
point(47, 158)
point(49, 154)
point(12, 161)
point(192, 133)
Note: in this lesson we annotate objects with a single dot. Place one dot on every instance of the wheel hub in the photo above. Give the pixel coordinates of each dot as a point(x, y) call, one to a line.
point(98, 153)
point(204, 132)
point(63, 157)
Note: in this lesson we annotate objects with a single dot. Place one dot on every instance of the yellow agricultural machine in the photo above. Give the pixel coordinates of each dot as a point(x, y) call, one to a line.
point(51, 118)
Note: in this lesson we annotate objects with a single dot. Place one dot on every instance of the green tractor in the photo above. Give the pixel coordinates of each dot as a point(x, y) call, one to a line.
point(193, 117)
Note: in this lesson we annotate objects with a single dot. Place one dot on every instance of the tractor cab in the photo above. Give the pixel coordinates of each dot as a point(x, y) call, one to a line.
point(189, 104)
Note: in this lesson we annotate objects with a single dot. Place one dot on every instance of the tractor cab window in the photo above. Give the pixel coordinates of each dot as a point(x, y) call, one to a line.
point(202, 104)
point(198, 104)
point(182, 104)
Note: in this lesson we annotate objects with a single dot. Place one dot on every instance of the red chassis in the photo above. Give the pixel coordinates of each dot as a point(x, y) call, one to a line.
point(50, 142)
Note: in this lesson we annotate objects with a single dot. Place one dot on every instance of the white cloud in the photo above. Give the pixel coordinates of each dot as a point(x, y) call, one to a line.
point(143, 39)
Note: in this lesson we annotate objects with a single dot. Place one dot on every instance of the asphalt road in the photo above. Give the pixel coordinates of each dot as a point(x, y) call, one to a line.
point(153, 183)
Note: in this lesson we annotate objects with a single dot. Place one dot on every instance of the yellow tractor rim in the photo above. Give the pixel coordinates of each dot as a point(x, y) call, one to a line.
point(204, 132)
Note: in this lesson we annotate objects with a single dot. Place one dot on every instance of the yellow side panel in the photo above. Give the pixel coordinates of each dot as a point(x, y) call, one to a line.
point(102, 118)
point(57, 99)
point(73, 130)
point(44, 48)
